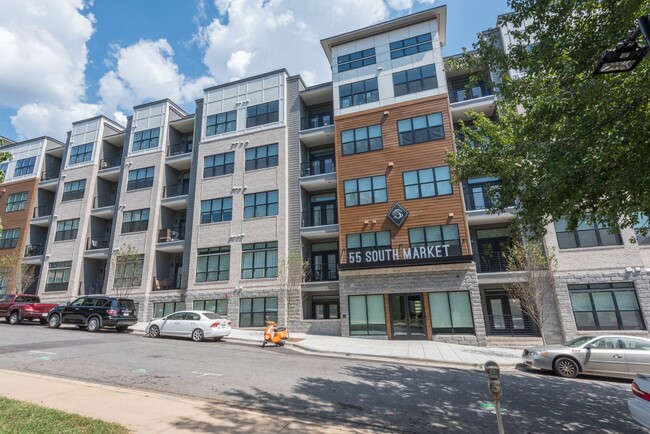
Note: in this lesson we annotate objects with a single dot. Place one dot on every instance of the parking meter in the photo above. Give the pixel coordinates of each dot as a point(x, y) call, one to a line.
point(494, 385)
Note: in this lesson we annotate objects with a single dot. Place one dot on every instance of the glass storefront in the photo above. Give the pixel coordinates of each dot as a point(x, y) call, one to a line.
point(367, 315)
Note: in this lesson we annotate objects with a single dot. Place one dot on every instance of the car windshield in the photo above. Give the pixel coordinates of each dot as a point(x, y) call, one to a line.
point(210, 315)
point(578, 341)
point(123, 303)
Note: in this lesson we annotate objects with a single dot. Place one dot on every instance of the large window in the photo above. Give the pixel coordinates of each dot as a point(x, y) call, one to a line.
point(420, 129)
point(25, 166)
point(128, 271)
point(368, 240)
point(406, 47)
point(451, 312)
point(443, 235)
point(135, 221)
point(74, 190)
point(364, 191)
point(254, 312)
point(431, 182)
point(217, 165)
point(219, 306)
point(16, 202)
point(146, 139)
point(213, 264)
point(642, 225)
point(261, 114)
point(415, 80)
point(221, 123)
point(163, 309)
point(58, 276)
point(606, 306)
point(261, 204)
point(367, 315)
point(9, 238)
point(357, 93)
point(585, 235)
point(356, 60)
point(259, 260)
point(140, 178)
point(362, 139)
point(216, 210)
point(66, 230)
point(81, 153)
point(262, 157)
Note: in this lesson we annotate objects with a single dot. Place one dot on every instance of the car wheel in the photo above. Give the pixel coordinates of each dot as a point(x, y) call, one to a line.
point(14, 318)
point(154, 331)
point(121, 329)
point(565, 367)
point(93, 324)
point(218, 338)
point(197, 335)
point(43, 321)
point(54, 321)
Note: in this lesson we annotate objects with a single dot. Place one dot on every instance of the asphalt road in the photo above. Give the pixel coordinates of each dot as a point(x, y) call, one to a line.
point(381, 396)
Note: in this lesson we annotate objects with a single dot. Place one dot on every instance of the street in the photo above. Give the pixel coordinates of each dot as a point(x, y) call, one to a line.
point(379, 396)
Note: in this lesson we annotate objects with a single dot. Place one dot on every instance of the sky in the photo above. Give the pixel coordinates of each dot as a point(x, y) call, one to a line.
point(62, 61)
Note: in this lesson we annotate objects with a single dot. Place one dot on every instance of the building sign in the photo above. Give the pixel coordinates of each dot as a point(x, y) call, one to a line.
point(379, 255)
point(397, 214)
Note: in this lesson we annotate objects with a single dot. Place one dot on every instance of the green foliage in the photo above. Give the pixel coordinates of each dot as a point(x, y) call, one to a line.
point(581, 150)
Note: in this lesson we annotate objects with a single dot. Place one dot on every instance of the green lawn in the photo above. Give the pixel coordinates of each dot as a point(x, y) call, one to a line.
point(17, 417)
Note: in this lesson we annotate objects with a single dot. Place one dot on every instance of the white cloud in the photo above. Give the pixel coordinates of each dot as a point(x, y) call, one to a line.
point(238, 62)
point(46, 119)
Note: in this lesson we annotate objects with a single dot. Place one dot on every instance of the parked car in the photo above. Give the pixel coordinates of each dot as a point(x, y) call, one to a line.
point(195, 324)
point(18, 307)
point(640, 405)
point(608, 355)
point(93, 312)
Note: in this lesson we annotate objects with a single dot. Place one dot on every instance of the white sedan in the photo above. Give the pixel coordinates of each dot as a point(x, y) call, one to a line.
point(640, 404)
point(195, 324)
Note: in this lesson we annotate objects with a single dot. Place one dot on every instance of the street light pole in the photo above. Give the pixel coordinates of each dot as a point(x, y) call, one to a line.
point(627, 54)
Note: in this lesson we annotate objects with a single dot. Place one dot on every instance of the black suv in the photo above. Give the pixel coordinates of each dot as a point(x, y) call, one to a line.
point(94, 312)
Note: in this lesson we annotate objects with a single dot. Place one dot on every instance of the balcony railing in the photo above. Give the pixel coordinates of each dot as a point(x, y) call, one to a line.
point(104, 200)
point(175, 190)
point(322, 273)
point(50, 174)
point(510, 325)
point(167, 283)
point(170, 234)
point(127, 282)
point(492, 263)
point(42, 211)
point(34, 250)
point(318, 167)
point(90, 288)
point(318, 218)
point(56, 287)
point(477, 197)
point(97, 243)
point(316, 121)
point(179, 149)
point(107, 163)
point(458, 94)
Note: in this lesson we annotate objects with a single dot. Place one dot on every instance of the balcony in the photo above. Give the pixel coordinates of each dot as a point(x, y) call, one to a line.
point(494, 262)
point(109, 163)
point(316, 121)
point(48, 175)
point(323, 273)
point(318, 175)
point(167, 283)
point(317, 130)
point(110, 168)
point(175, 196)
point(91, 288)
point(104, 201)
point(478, 98)
point(170, 240)
point(179, 149)
point(478, 201)
point(41, 215)
point(179, 156)
point(32, 250)
point(319, 225)
point(97, 243)
point(49, 179)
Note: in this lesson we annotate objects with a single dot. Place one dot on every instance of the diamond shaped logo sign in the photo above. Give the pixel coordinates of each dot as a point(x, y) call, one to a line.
point(397, 214)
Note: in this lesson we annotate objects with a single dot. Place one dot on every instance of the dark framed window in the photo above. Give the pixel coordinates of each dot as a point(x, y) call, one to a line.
point(219, 306)
point(16, 202)
point(356, 60)
point(140, 178)
point(406, 47)
point(74, 190)
point(443, 235)
point(81, 153)
point(415, 80)
point(163, 309)
point(66, 230)
point(259, 260)
point(254, 312)
point(261, 204)
point(606, 306)
point(25, 166)
point(435, 181)
point(367, 314)
point(262, 157)
point(3, 168)
point(135, 221)
point(362, 139)
point(9, 238)
point(325, 307)
point(261, 114)
point(641, 239)
point(216, 210)
point(146, 139)
point(213, 264)
point(219, 164)
point(367, 240)
point(221, 123)
point(585, 235)
point(360, 92)
point(451, 312)
point(128, 273)
point(58, 276)
point(365, 191)
point(420, 129)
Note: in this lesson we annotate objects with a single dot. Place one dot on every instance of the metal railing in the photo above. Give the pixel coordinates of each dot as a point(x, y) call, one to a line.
point(175, 190)
point(459, 94)
point(42, 211)
point(56, 287)
point(167, 283)
point(93, 243)
point(139, 183)
point(90, 288)
point(493, 262)
point(46, 175)
point(477, 197)
point(73, 195)
point(316, 121)
point(107, 163)
point(179, 149)
point(318, 167)
point(510, 325)
point(322, 273)
point(127, 282)
point(317, 218)
point(171, 234)
point(104, 200)
point(34, 250)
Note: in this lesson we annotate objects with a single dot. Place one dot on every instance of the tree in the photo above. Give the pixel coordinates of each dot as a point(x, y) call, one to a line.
point(128, 270)
point(17, 277)
point(580, 150)
point(293, 270)
point(534, 281)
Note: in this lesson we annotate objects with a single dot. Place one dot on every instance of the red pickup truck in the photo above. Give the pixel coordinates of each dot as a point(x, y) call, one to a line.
point(17, 307)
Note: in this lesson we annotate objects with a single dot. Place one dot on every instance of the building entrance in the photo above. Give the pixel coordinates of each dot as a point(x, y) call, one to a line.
point(407, 316)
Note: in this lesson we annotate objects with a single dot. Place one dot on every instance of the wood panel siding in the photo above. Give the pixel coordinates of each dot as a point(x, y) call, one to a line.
point(17, 219)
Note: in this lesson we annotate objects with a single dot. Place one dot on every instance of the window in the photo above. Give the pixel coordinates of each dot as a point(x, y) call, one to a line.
point(3, 168)
point(357, 93)
point(444, 235)
point(262, 157)
point(74, 190)
point(220, 307)
point(643, 224)
point(81, 153)
point(585, 235)
point(325, 307)
point(58, 276)
point(16, 202)
point(135, 221)
point(221, 123)
point(362, 139)
point(259, 260)
point(406, 47)
point(367, 315)
point(163, 309)
point(9, 238)
point(66, 230)
point(216, 210)
point(368, 240)
point(220, 164)
point(25, 166)
point(415, 80)
point(364, 191)
point(427, 182)
point(146, 139)
point(261, 204)
point(254, 312)
point(451, 312)
point(213, 264)
point(356, 60)
point(420, 129)
point(128, 271)
point(606, 306)
point(262, 114)
point(140, 178)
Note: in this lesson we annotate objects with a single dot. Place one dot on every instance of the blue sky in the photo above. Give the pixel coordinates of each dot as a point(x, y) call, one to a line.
point(67, 60)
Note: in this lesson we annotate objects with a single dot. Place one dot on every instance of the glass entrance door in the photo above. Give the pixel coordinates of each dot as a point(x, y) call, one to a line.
point(505, 316)
point(407, 316)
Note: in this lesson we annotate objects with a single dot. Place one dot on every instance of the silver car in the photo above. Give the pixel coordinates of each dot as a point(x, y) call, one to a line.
point(608, 355)
point(195, 324)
